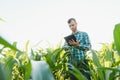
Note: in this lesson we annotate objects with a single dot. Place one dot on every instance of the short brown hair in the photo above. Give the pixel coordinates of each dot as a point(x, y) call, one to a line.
point(71, 19)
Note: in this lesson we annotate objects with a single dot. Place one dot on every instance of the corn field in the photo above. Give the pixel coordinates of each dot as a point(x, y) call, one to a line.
point(52, 63)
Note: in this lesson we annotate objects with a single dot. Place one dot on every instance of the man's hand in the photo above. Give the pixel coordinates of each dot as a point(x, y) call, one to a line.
point(74, 43)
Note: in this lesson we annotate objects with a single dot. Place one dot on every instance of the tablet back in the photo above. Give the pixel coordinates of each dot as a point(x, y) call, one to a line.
point(69, 37)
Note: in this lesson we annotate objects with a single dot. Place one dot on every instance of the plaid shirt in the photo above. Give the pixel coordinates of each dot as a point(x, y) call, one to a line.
point(78, 53)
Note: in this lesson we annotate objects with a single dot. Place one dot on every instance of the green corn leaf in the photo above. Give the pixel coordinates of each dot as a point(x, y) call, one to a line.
point(2, 76)
point(96, 61)
point(41, 71)
point(7, 44)
point(95, 58)
point(26, 46)
point(27, 69)
point(116, 33)
point(76, 72)
point(112, 74)
point(7, 68)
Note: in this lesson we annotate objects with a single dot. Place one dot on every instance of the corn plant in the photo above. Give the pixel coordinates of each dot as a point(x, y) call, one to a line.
point(14, 64)
point(57, 59)
point(105, 63)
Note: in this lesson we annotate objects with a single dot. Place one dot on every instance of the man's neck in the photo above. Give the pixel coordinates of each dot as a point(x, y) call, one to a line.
point(75, 32)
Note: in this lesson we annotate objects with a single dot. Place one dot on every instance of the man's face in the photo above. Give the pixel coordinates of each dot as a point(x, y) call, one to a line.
point(73, 26)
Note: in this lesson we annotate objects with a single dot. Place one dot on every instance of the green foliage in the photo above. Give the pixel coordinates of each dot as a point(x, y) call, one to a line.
point(6, 68)
point(2, 75)
point(14, 65)
point(56, 58)
point(116, 33)
point(105, 63)
point(7, 44)
point(76, 72)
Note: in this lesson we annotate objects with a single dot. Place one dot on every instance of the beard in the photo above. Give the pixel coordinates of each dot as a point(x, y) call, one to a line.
point(74, 30)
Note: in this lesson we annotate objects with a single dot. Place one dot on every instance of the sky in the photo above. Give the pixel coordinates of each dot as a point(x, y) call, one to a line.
point(45, 21)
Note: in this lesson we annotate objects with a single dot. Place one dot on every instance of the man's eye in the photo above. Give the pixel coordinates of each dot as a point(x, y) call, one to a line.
point(71, 25)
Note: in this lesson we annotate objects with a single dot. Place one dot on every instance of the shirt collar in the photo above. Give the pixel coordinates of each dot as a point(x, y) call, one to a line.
point(76, 32)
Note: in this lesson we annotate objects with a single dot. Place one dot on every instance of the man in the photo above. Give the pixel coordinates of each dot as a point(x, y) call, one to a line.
point(78, 48)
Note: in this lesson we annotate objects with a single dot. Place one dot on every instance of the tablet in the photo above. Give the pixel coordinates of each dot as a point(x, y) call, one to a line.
point(69, 37)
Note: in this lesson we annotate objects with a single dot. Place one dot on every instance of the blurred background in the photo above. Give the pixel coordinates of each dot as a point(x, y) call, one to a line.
point(45, 21)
